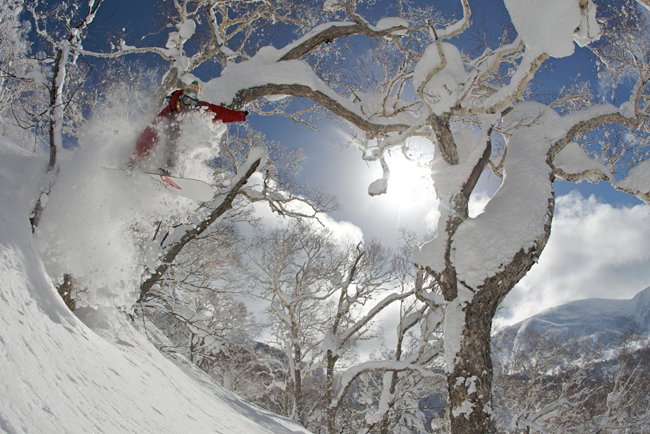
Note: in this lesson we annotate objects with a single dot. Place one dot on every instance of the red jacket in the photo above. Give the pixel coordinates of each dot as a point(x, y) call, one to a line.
point(149, 138)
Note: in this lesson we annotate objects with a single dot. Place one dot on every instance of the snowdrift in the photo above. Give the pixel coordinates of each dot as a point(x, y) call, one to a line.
point(60, 376)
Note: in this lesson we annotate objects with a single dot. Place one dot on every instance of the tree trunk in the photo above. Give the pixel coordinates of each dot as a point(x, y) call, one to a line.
point(66, 291)
point(299, 409)
point(385, 420)
point(470, 381)
point(55, 131)
point(329, 393)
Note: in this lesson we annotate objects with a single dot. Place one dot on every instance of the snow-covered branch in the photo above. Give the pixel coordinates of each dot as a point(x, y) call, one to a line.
point(378, 366)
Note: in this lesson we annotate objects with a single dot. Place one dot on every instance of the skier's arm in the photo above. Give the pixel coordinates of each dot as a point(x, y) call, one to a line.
point(223, 114)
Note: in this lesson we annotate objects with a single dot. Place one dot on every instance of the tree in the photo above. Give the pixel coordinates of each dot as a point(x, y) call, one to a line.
point(363, 276)
point(67, 36)
point(292, 268)
point(14, 63)
point(325, 299)
point(626, 404)
point(192, 303)
point(422, 347)
point(543, 382)
point(476, 113)
point(555, 383)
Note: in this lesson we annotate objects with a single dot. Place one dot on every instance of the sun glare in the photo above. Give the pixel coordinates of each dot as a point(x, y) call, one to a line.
point(409, 184)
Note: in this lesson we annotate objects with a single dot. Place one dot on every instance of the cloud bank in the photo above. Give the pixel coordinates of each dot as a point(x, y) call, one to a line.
point(595, 251)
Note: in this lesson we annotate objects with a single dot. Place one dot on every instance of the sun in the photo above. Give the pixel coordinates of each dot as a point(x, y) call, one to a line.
point(410, 180)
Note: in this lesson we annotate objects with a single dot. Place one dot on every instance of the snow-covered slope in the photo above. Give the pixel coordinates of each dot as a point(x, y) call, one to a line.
point(596, 320)
point(59, 376)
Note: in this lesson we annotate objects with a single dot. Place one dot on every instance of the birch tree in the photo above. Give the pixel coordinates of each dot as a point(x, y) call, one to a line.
point(364, 288)
point(14, 62)
point(292, 269)
point(66, 37)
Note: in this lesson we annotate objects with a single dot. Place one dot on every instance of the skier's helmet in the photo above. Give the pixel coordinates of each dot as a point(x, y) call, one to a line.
point(192, 90)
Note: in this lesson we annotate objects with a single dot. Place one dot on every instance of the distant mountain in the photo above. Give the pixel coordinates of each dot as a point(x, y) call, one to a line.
point(590, 322)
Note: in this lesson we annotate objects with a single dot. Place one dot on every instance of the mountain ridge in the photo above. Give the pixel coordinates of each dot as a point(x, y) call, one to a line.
point(594, 321)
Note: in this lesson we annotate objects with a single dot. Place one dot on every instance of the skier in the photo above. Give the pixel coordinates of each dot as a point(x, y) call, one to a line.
point(167, 121)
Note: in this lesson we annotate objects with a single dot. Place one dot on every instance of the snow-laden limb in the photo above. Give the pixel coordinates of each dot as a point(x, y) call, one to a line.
point(284, 202)
point(207, 215)
point(351, 374)
point(380, 186)
point(439, 77)
point(552, 26)
point(242, 83)
point(328, 32)
point(174, 49)
point(374, 311)
point(459, 26)
point(637, 181)
point(582, 121)
point(449, 180)
point(396, 25)
point(534, 419)
point(507, 94)
point(519, 211)
point(573, 164)
point(374, 416)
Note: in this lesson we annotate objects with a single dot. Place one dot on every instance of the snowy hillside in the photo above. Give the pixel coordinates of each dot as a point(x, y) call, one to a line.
point(602, 321)
point(59, 376)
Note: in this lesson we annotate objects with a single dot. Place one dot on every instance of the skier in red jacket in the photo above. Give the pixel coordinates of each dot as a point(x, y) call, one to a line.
point(166, 122)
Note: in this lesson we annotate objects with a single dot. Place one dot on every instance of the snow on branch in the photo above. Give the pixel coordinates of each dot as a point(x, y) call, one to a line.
point(553, 26)
point(637, 181)
point(378, 308)
point(316, 92)
point(519, 212)
point(459, 26)
point(573, 164)
point(353, 373)
point(329, 32)
point(514, 90)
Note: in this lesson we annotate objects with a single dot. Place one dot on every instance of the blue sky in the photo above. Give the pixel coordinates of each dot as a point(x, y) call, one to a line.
point(344, 174)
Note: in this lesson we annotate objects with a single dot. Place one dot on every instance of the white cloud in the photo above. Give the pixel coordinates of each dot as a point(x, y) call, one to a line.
point(477, 202)
point(344, 232)
point(595, 251)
